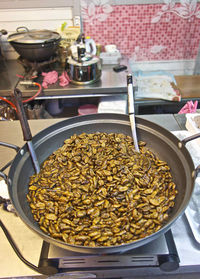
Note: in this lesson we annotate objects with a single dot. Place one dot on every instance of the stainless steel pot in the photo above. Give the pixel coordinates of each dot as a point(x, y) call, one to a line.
point(35, 45)
point(160, 141)
point(83, 67)
point(86, 72)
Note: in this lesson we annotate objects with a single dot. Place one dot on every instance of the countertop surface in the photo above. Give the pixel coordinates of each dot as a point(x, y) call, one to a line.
point(11, 266)
point(111, 83)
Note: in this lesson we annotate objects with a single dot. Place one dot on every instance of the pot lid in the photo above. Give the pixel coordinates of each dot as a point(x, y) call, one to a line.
point(34, 36)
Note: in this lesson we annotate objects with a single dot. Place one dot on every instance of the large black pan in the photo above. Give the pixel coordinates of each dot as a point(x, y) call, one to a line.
point(159, 140)
point(35, 45)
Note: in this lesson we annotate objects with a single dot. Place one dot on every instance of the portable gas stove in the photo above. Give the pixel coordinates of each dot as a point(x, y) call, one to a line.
point(33, 69)
point(174, 252)
point(160, 253)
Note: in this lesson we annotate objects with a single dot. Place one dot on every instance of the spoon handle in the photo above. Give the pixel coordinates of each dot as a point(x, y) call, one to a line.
point(25, 127)
point(131, 110)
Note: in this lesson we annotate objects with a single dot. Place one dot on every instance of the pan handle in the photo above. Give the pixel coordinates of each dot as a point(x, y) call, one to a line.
point(184, 141)
point(22, 116)
point(193, 137)
point(9, 145)
point(197, 170)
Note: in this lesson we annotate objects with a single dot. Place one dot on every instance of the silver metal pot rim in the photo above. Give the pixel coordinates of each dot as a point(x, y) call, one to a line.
point(34, 37)
point(73, 62)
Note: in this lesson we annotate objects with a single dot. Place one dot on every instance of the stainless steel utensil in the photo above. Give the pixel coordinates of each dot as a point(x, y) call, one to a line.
point(131, 110)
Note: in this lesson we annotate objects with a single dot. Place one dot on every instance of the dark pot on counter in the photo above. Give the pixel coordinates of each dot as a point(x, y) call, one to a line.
point(35, 45)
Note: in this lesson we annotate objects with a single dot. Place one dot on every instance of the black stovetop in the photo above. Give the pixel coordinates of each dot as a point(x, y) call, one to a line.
point(160, 253)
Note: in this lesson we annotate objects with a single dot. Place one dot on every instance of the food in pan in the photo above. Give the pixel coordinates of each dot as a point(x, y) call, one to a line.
point(96, 190)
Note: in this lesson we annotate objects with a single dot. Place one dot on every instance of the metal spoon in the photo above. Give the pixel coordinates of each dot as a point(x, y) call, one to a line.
point(141, 159)
point(131, 110)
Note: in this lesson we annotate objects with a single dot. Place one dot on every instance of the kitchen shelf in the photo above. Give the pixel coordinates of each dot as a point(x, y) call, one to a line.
point(111, 84)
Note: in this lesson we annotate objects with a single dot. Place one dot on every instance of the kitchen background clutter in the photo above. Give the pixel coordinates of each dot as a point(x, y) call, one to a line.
point(152, 38)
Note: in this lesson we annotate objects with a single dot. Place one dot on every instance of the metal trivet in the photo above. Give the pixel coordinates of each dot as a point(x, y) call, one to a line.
point(34, 68)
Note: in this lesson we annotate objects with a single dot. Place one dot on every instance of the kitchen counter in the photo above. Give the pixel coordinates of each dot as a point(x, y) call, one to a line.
point(11, 266)
point(111, 83)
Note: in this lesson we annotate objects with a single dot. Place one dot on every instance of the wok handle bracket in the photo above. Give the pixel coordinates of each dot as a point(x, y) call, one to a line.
point(9, 145)
point(193, 137)
point(12, 146)
point(197, 170)
point(186, 140)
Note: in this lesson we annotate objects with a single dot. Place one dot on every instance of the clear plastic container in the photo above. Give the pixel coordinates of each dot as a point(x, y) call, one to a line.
point(110, 58)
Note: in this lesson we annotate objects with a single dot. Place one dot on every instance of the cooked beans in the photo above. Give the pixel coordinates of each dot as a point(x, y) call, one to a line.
point(96, 190)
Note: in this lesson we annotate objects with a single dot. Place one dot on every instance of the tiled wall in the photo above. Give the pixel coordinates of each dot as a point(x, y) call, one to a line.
point(146, 32)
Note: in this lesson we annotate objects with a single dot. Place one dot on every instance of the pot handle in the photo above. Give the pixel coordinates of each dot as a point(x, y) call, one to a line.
point(193, 137)
point(16, 148)
point(184, 141)
point(197, 170)
point(90, 46)
point(24, 29)
point(3, 32)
